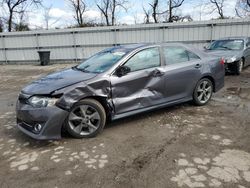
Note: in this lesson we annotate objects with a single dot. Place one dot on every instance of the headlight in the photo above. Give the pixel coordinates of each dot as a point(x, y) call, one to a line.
point(231, 60)
point(39, 102)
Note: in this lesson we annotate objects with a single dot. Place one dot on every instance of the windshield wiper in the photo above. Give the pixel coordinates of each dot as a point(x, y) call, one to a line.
point(81, 69)
point(225, 47)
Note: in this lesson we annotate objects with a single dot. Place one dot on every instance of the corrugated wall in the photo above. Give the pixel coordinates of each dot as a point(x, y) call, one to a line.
point(67, 45)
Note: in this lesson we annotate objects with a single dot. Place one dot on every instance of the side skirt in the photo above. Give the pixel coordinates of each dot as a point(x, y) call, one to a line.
point(151, 108)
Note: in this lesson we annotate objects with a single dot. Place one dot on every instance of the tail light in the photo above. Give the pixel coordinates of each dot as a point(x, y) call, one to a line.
point(222, 61)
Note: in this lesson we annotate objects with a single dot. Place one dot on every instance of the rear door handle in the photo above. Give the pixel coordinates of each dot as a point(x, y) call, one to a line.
point(157, 73)
point(197, 66)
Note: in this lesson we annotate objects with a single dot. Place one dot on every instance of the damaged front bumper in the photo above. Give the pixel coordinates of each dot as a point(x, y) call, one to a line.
point(40, 123)
point(231, 67)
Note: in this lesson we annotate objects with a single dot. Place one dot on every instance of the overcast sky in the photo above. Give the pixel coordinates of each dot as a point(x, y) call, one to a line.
point(61, 14)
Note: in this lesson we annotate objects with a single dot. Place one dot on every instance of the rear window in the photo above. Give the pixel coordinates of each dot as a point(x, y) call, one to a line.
point(236, 44)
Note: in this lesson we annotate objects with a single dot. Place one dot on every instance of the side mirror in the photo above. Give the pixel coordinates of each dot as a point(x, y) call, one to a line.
point(248, 44)
point(122, 70)
point(205, 47)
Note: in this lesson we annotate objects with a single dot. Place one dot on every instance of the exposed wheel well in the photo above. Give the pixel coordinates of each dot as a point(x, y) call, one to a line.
point(103, 101)
point(212, 80)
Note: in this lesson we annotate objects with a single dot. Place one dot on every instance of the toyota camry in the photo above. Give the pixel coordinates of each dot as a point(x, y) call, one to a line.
point(115, 83)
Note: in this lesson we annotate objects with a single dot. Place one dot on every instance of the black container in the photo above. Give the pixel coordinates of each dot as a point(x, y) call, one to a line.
point(44, 57)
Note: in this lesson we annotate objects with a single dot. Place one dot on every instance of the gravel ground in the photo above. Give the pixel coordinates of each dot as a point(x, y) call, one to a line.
point(179, 146)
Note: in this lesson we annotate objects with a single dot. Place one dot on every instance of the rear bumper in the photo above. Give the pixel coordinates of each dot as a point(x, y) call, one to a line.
point(51, 120)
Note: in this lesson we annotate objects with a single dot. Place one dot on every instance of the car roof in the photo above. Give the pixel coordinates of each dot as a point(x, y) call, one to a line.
point(232, 38)
point(126, 48)
point(131, 47)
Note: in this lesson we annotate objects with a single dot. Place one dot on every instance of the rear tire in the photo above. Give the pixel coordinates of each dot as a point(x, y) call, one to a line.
point(203, 92)
point(239, 67)
point(86, 119)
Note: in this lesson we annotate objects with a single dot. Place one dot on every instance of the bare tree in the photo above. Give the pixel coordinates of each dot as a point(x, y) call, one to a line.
point(200, 9)
point(21, 24)
point(46, 16)
point(155, 13)
point(104, 7)
point(242, 8)
point(147, 15)
point(136, 17)
point(218, 7)
point(17, 6)
point(49, 21)
point(170, 13)
point(108, 9)
point(79, 7)
point(172, 5)
point(180, 18)
point(1, 25)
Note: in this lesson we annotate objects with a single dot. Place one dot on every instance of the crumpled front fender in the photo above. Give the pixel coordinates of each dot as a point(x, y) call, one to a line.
point(79, 91)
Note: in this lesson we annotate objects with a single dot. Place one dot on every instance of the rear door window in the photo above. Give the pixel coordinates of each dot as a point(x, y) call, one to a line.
point(192, 56)
point(176, 55)
point(144, 59)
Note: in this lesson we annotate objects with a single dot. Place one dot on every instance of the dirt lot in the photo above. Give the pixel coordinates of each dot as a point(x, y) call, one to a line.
point(180, 146)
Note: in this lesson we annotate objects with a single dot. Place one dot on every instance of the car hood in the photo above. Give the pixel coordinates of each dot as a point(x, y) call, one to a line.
point(224, 53)
point(57, 80)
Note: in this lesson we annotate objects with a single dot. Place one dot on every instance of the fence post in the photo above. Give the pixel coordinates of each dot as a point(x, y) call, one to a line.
point(37, 43)
point(114, 34)
point(74, 45)
point(163, 32)
point(212, 32)
point(4, 49)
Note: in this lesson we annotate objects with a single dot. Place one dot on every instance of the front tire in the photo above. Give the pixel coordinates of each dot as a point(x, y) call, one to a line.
point(86, 119)
point(239, 67)
point(203, 92)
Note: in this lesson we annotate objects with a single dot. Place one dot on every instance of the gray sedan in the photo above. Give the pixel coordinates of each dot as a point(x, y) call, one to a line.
point(115, 83)
point(235, 50)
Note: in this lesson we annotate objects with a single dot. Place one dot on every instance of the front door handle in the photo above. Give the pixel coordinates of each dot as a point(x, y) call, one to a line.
point(157, 73)
point(197, 66)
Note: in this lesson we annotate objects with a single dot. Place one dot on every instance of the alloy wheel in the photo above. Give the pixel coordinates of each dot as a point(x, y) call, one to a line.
point(204, 91)
point(84, 120)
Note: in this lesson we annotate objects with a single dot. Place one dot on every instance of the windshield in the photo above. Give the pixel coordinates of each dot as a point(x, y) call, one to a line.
point(227, 45)
point(101, 61)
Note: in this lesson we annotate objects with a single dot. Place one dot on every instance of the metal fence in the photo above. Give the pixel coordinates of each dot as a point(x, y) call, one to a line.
point(67, 45)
